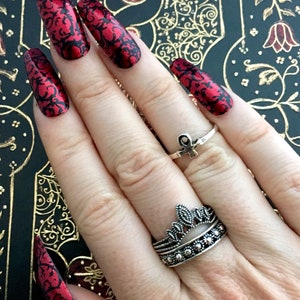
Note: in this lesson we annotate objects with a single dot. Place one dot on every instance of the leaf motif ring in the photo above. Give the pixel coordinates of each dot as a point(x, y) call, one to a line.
point(194, 232)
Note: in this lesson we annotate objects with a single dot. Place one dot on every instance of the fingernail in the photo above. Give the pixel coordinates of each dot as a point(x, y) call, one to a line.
point(202, 87)
point(47, 275)
point(64, 28)
point(115, 40)
point(47, 88)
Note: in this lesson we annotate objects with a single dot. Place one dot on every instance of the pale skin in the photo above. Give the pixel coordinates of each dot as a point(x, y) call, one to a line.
point(122, 188)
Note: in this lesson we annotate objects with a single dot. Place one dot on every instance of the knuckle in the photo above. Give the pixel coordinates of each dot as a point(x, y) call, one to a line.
point(254, 133)
point(293, 183)
point(97, 89)
point(289, 186)
point(213, 162)
point(134, 170)
point(156, 90)
point(97, 213)
point(68, 148)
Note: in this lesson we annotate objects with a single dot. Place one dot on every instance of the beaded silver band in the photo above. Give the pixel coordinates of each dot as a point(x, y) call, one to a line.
point(196, 246)
point(189, 146)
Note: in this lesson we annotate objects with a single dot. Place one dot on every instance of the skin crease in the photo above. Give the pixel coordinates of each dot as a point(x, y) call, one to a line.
point(121, 187)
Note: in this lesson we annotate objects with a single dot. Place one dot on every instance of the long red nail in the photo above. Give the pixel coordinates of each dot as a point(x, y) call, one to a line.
point(205, 90)
point(64, 28)
point(47, 87)
point(109, 33)
point(47, 275)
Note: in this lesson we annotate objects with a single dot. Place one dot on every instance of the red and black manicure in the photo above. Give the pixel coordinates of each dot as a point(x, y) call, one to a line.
point(47, 88)
point(64, 28)
point(47, 275)
point(115, 40)
point(204, 89)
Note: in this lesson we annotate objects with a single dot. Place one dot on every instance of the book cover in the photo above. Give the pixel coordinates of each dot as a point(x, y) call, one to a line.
point(251, 47)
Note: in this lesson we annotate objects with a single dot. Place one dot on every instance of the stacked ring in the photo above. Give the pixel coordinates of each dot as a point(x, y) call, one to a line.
point(194, 232)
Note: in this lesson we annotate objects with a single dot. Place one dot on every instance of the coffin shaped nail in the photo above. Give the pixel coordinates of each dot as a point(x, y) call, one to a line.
point(47, 275)
point(64, 28)
point(211, 95)
point(47, 88)
point(115, 40)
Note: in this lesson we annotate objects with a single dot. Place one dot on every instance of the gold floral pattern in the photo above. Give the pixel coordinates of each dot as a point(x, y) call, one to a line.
point(55, 225)
point(258, 68)
point(188, 29)
point(84, 272)
point(281, 35)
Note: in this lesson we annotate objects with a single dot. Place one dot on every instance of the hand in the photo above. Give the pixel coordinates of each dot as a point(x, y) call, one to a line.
point(122, 187)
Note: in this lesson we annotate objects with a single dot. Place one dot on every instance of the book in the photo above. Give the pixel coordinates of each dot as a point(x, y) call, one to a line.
point(251, 47)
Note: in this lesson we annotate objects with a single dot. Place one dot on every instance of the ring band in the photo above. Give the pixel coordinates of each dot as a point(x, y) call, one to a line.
point(189, 146)
point(196, 246)
point(194, 232)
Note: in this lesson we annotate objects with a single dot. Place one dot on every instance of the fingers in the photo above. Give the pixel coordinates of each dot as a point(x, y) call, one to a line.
point(103, 214)
point(145, 183)
point(149, 178)
point(254, 131)
point(105, 218)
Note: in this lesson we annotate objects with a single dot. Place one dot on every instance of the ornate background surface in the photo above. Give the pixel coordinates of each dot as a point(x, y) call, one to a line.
point(249, 46)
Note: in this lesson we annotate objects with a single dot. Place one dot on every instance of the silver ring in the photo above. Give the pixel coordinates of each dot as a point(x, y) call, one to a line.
point(186, 221)
point(194, 232)
point(189, 146)
point(196, 246)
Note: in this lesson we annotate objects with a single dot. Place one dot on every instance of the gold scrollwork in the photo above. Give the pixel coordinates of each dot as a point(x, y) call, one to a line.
point(188, 29)
point(86, 273)
point(269, 73)
point(92, 274)
point(54, 223)
point(134, 2)
point(9, 143)
point(3, 10)
point(11, 75)
point(275, 6)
